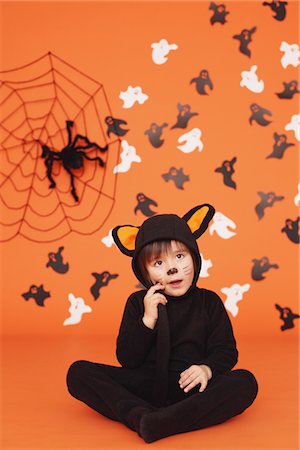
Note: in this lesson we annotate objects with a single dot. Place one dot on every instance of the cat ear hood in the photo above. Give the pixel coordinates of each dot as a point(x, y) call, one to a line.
point(130, 239)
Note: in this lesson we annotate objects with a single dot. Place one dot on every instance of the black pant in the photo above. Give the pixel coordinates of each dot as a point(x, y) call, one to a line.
point(126, 395)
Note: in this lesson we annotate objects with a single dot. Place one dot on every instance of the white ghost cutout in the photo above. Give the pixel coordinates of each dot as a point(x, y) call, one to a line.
point(192, 141)
point(221, 225)
point(108, 240)
point(294, 125)
point(234, 295)
point(297, 197)
point(77, 308)
point(132, 95)
point(291, 54)
point(206, 264)
point(128, 156)
point(160, 50)
point(251, 82)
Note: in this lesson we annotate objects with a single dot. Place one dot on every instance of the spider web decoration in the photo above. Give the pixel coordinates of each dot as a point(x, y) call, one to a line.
point(36, 101)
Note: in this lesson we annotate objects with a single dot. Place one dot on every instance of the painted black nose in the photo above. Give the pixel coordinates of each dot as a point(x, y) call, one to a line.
point(172, 271)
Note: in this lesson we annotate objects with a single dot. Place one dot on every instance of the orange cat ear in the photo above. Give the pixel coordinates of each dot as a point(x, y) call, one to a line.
point(198, 219)
point(124, 237)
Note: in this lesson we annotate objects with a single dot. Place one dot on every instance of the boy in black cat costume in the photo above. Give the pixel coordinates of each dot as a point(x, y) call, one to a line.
point(175, 344)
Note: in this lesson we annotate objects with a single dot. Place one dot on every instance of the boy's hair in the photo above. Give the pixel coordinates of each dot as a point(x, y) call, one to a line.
point(154, 250)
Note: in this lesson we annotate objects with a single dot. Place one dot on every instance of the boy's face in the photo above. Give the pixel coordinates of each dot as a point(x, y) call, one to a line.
point(173, 269)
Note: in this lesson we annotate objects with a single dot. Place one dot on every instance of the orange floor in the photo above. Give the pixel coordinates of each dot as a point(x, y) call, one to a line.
point(38, 413)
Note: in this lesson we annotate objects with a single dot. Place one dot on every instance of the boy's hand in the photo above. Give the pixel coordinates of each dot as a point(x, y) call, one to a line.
point(195, 375)
point(151, 301)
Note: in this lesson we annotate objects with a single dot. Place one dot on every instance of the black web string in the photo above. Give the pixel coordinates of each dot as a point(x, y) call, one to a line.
point(58, 92)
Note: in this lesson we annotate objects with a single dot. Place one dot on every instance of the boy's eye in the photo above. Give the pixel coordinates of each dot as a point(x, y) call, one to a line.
point(158, 263)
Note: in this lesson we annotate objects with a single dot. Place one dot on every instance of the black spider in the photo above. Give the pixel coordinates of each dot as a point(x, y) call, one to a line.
point(71, 156)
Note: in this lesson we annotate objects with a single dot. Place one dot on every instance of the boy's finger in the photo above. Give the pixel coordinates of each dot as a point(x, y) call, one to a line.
point(191, 385)
point(186, 380)
point(185, 374)
point(203, 386)
point(159, 299)
point(155, 287)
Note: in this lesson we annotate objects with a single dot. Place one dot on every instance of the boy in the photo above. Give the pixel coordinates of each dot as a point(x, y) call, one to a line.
point(175, 344)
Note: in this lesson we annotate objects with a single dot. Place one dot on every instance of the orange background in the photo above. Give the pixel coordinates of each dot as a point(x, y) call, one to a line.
point(110, 42)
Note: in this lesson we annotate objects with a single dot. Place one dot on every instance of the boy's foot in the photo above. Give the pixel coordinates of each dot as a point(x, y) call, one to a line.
point(150, 428)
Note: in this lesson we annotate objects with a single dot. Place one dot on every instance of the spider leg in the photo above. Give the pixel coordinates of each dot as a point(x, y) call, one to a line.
point(49, 164)
point(49, 158)
point(69, 124)
point(97, 158)
point(73, 190)
point(88, 143)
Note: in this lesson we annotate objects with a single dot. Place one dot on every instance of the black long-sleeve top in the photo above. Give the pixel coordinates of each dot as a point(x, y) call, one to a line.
point(200, 333)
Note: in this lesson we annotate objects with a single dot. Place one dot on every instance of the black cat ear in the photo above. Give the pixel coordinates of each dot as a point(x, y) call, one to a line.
point(198, 219)
point(124, 237)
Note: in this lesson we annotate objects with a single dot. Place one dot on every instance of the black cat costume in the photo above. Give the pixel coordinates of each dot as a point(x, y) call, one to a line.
point(194, 328)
